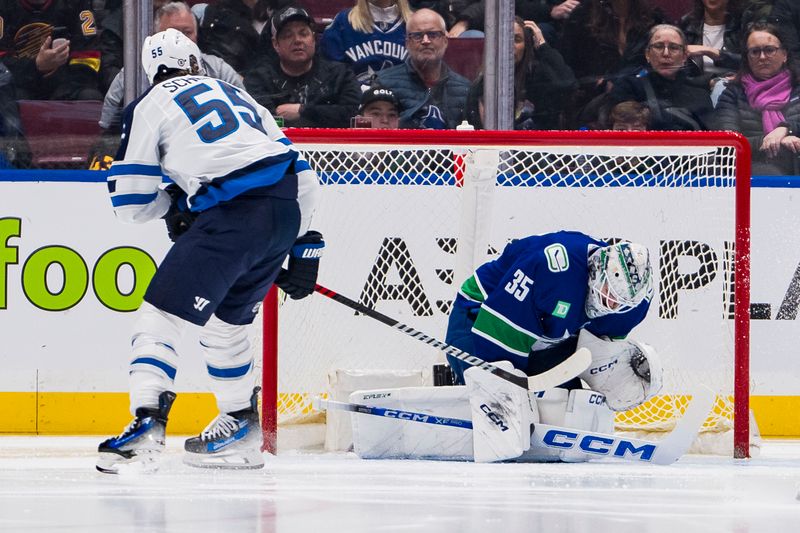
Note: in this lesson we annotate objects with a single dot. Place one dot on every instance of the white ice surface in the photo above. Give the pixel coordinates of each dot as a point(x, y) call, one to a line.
point(50, 484)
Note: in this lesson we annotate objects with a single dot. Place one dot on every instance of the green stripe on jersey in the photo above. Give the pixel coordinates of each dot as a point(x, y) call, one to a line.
point(498, 330)
point(472, 290)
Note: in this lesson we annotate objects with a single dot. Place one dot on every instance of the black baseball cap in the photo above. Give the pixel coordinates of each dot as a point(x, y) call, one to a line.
point(378, 94)
point(288, 14)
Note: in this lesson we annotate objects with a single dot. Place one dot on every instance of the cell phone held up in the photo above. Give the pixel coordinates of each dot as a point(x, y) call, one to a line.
point(60, 35)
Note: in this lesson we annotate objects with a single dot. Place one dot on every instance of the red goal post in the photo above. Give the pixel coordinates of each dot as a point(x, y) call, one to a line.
point(395, 203)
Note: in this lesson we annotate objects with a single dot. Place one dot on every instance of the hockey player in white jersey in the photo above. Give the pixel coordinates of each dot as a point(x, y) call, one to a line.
point(241, 201)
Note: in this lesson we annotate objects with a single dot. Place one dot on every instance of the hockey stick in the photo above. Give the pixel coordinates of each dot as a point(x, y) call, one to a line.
point(663, 452)
point(323, 405)
point(561, 373)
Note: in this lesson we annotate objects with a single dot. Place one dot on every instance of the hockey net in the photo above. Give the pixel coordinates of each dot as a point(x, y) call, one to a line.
point(407, 216)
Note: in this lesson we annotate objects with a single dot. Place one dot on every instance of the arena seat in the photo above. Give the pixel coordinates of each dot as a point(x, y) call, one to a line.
point(674, 9)
point(465, 56)
point(323, 11)
point(60, 133)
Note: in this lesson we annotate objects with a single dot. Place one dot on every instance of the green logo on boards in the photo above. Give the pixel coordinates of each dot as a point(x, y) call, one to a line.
point(561, 310)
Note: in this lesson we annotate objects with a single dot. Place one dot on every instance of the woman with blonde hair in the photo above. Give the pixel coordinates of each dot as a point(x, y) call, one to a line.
point(368, 37)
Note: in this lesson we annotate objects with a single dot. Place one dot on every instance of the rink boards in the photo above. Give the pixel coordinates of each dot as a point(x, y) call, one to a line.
point(64, 345)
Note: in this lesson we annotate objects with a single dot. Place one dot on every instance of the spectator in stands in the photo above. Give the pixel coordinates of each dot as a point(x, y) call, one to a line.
point(110, 42)
point(51, 48)
point(368, 37)
point(712, 30)
point(547, 14)
point(542, 83)
point(753, 10)
point(179, 16)
point(381, 107)
point(262, 12)
point(304, 90)
point(787, 14)
point(264, 9)
point(629, 116)
point(230, 30)
point(763, 102)
point(13, 149)
point(604, 40)
point(431, 95)
point(674, 102)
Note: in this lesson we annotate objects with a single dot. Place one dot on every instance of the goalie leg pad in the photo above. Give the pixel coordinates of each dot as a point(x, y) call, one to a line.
point(154, 362)
point(502, 416)
point(586, 410)
point(582, 410)
point(229, 361)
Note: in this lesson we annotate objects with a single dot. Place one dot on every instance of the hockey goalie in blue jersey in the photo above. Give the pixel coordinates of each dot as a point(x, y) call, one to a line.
point(241, 202)
point(527, 311)
point(529, 306)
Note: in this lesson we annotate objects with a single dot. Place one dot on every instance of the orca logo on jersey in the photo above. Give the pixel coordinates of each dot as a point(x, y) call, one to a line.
point(200, 303)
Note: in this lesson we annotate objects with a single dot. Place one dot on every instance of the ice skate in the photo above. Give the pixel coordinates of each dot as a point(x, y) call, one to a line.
point(232, 440)
point(139, 446)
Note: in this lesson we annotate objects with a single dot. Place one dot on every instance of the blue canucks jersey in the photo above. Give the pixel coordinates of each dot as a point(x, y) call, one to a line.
point(533, 297)
point(366, 53)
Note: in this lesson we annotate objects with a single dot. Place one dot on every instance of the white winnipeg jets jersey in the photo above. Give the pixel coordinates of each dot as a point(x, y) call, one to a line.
point(209, 137)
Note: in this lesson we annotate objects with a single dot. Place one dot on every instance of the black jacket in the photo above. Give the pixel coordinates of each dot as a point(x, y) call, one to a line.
point(788, 11)
point(24, 29)
point(329, 92)
point(548, 88)
point(730, 55)
point(227, 31)
point(674, 105)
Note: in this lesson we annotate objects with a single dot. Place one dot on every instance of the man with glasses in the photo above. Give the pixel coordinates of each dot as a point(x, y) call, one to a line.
point(431, 95)
point(675, 103)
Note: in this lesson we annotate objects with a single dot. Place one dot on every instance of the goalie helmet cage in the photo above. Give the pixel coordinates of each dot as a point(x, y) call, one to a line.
point(395, 203)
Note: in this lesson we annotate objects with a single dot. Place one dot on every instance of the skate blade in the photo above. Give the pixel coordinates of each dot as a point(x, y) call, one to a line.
point(145, 462)
point(230, 461)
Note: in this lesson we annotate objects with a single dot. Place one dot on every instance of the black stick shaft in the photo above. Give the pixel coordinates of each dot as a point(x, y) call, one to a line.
point(411, 332)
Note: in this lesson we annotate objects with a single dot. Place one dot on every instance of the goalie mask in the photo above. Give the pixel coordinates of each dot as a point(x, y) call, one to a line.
point(620, 277)
point(169, 50)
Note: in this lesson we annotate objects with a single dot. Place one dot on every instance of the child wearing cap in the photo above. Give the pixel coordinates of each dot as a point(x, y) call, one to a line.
point(381, 106)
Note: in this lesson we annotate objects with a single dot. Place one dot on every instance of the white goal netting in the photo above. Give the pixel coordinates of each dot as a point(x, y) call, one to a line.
point(407, 216)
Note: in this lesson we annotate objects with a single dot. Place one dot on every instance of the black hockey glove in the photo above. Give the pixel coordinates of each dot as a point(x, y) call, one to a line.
point(301, 277)
point(178, 219)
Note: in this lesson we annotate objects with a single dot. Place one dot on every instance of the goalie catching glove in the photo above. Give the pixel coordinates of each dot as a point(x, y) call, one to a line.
point(627, 372)
point(178, 219)
point(300, 279)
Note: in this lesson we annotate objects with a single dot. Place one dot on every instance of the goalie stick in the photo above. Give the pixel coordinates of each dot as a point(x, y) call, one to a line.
point(571, 367)
point(662, 452)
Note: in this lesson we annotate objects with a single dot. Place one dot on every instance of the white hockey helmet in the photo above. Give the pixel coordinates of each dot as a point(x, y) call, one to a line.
point(620, 278)
point(169, 49)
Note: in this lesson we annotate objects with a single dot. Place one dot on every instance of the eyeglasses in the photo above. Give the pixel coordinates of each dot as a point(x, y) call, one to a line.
point(417, 36)
point(672, 47)
point(768, 51)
